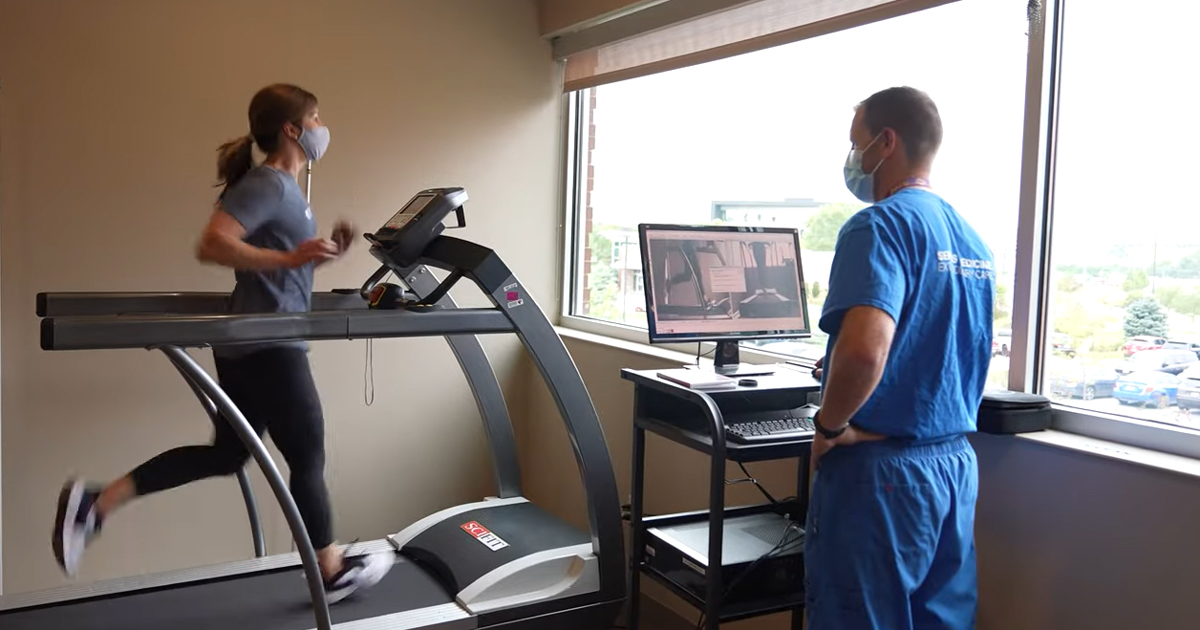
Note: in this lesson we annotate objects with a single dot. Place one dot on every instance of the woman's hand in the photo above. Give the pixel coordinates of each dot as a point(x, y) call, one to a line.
point(343, 235)
point(314, 250)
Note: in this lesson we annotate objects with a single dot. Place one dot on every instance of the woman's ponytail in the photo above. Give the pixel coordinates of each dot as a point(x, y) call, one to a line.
point(235, 158)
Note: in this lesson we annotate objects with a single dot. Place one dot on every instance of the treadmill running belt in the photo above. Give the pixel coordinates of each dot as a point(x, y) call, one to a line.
point(262, 601)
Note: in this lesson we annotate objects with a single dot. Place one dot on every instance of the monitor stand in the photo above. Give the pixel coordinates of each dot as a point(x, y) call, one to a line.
point(727, 362)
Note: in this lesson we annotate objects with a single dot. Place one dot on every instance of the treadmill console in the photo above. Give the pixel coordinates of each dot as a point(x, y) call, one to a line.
point(406, 235)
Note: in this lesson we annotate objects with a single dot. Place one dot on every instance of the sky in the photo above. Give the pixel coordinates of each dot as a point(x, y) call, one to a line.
point(774, 124)
point(1126, 155)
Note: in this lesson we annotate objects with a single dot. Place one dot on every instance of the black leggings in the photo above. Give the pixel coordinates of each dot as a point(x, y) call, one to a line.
point(274, 389)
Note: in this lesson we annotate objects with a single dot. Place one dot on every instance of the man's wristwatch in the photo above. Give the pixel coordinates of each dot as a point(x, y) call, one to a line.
point(829, 435)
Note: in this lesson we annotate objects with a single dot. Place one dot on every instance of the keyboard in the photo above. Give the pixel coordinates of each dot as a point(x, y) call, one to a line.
point(782, 427)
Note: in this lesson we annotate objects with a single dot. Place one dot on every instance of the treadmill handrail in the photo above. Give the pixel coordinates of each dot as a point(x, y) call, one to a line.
point(214, 415)
point(81, 303)
point(149, 331)
point(229, 411)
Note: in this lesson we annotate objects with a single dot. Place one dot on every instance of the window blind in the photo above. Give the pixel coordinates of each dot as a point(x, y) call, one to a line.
point(742, 28)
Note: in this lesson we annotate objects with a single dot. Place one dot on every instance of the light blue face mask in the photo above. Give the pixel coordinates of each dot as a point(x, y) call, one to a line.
point(861, 184)
point(314, 142)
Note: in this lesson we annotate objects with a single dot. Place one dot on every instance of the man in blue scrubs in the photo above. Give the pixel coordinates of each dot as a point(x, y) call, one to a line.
point(890, 540)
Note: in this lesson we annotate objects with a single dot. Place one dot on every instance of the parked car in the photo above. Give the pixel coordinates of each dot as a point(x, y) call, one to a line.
point(1173, 344)
point(1142, 343)
point(1098, 384)
point(1188, 396)
point(1169, 361)
point(1147, 388)
point(1001, 342)
point(1061, 344)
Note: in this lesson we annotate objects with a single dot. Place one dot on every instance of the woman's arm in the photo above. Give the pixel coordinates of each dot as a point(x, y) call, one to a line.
point(222, 243)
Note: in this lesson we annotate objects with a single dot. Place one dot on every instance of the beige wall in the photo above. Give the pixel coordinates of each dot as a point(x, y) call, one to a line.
point(559, 15)
point(110, 115)
point(1066, 540)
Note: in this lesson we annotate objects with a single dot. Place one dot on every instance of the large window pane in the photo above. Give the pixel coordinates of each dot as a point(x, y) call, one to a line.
point(760, 139)
point(1125, 278)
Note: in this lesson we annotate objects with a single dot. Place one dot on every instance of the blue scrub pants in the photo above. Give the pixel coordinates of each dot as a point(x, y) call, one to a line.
point(890, 541)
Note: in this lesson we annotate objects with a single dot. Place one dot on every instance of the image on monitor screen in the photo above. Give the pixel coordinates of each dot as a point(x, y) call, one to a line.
point(716, 282)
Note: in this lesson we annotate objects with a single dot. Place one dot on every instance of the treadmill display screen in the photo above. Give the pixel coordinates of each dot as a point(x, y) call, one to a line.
point(408, 212)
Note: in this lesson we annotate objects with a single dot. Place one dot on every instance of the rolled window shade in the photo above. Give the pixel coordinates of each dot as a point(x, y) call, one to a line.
point(744, 28)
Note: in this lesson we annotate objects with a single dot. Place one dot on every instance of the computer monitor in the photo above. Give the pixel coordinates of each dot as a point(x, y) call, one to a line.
point(724, 284)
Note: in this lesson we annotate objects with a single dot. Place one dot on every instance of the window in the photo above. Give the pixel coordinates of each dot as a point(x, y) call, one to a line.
point(1124, 290)
point(760, 139)
point(1071, 104)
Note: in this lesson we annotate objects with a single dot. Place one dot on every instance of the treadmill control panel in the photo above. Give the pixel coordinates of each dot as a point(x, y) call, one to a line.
point(405, 236)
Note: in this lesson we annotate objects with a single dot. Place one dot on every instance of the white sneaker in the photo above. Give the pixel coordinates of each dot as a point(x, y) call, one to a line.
point(76, 524)
point(357, 573)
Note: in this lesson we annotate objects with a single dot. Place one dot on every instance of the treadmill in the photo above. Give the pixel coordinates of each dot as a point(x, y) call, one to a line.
point(502, 562)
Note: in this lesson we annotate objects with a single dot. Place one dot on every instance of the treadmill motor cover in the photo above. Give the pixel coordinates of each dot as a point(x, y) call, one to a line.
point(501, 534)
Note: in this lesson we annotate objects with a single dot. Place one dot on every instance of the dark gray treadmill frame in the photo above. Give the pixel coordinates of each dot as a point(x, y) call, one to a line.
point(80, 303)
point(472, 358)
point(111, 332)
point(130, 321)
point(485, 387)
point(485, 268)
point(169, 333)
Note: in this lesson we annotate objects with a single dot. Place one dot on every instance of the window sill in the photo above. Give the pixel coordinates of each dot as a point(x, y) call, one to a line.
point(642, 349)
point(1128, 434)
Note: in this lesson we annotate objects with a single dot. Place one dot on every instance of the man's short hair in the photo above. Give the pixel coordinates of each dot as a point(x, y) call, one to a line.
point(911, 114)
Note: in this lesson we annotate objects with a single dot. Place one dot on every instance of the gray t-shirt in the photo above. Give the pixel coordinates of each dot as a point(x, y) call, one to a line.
point(271, 207)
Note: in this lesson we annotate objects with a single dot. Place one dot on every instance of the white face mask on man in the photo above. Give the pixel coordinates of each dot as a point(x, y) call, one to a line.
point(314, 141)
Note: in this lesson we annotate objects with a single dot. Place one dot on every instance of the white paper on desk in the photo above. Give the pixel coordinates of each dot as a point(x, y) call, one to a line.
point(727, 279)
point(698, 379)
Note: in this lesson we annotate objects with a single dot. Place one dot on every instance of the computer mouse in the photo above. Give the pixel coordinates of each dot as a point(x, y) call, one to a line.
point(748, 382)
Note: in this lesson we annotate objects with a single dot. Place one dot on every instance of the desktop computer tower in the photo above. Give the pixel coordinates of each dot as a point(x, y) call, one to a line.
point(762, 556)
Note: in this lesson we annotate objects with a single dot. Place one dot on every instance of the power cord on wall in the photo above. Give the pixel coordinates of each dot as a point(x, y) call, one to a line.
point(369, 364)
point(369, 374)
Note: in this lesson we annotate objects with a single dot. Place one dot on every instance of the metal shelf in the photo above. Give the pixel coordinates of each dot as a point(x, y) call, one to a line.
point(726, 612)
point(696, 420)
point(734, 612)
point(734, 451)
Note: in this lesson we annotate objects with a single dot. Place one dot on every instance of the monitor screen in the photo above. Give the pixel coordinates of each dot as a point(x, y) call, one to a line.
point(722, 282)
point(406, 213)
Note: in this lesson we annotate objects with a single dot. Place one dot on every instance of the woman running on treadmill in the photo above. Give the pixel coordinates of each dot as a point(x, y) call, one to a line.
point(264, 229)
